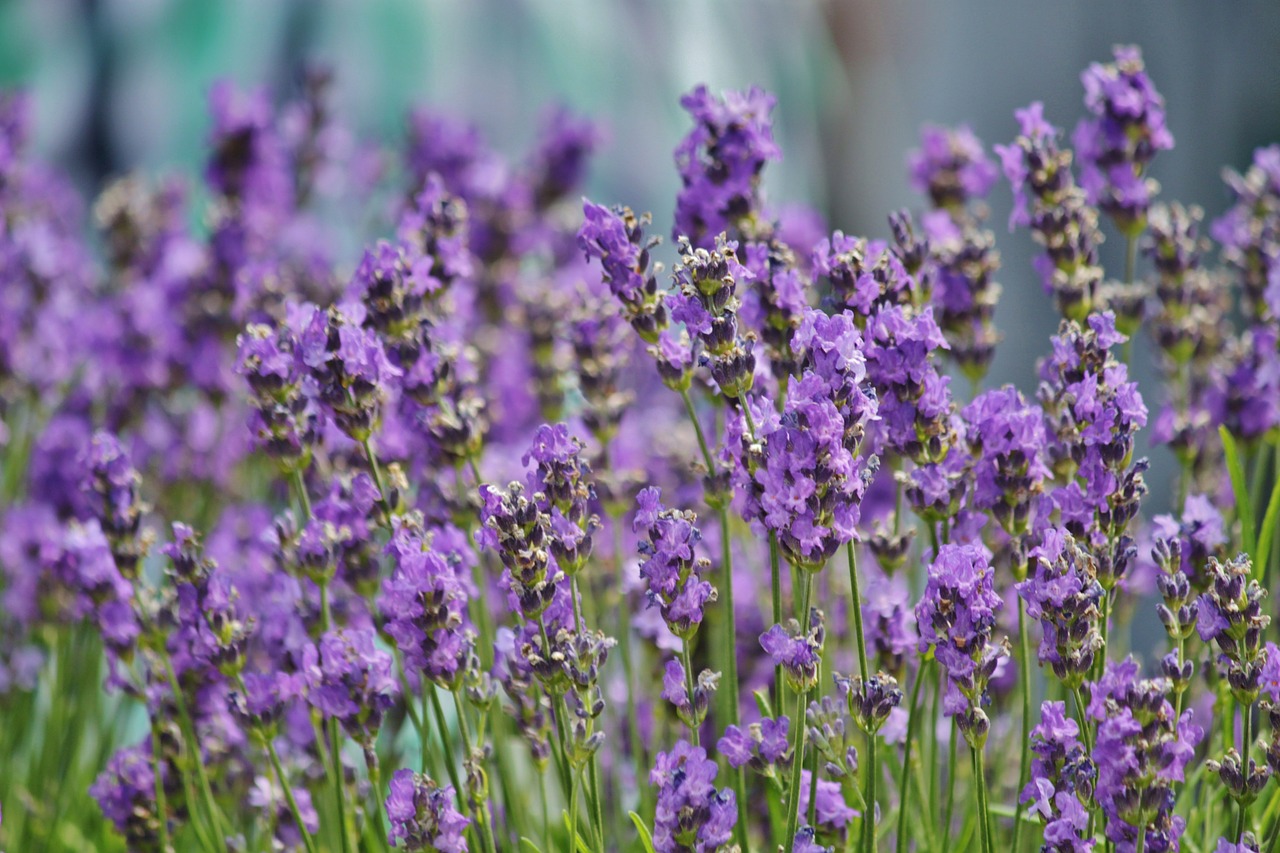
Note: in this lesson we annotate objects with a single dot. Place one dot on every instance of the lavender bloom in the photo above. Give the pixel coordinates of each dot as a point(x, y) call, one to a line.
point(964, 260)
point(1247, 844)
point(776, 303)
point(269, 799)
point(1252, 368)
point(1125, 132)
point(561, 481)
point(126, 792)
point(1062, 779)
point(1007, 438)
point(424, 604)
point(264, 700)
point(806, 840)
point(83, 561)
point(957, 616)
point(797, 651)
point(691, 710)
point(1231, 617)
point(348, 365)
point(1187, 544)
point(914, 399)
point(832, 811)
point(865, 275)
point(285, 422)
point(349, 679)
point(1063, 593)
point(871, 700)
point(1187, 322)
point(116, 484)
point(520, 532)
point(951, 167)
point(1141, 751)
point(720, 162)
point(691, 814)
point(707, 304)
point(1046, 198)
point(423, 816)
point(559, 164)
point(671, 568)
point(763, 746)
point(616, 239)
point(1250, 232)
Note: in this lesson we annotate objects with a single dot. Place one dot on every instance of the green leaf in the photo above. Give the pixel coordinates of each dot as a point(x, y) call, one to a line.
point(1240, 487)
point(526, 844)
point(1267, 535)
point(645, 837)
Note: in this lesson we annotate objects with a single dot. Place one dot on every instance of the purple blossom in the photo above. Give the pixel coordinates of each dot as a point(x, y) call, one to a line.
point(1126, 130)
point(691, 814)
point(833, 813)
point(1063, 593)
point(720, 162)
point(762, 746)
point(1007, 438)
point(126, 792)
point(349, 678)
point(671, 568)
point(423, 815)
point(951, 166)
point(796, 650)
point(1250, 232)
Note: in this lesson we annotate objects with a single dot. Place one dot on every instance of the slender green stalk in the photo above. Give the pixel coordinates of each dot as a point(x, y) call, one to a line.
point(687, 655)
point(1024, 763)
point(379, 796)
point(573, 812)
point(951, 787)
point(376, 471)
point(984, 818)
point(307, 840)
point(220, 826)
point(775, 584)
point(1085, 734)
point(857, 612)
point(1246, 735)
point(912, 728)
point(442, 728)
point(869, 813)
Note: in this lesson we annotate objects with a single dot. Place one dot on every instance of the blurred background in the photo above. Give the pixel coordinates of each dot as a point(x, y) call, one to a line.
point(121, 85)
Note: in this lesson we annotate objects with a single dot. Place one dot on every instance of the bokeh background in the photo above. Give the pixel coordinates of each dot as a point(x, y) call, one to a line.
point(122, 85)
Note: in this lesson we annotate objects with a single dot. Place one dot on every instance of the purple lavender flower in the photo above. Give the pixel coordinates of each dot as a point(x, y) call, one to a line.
point(806, 839)
point(423, 816)
point(870, 700)
point(1231, 617)
point(1046, 198)
point(1252, 368)
point(424, 604)
point(559, 163)
point(914, 399)
point(707, 303)
point(720, 162)
point(1007, 438)
point(1141, 751)
point(349, 679)
point(116, 484)
point(1117, 143)
point(561, 482)
point(616, 239)
point(797, 651)
point(691, 710)
point(285, 422)
point(763, 746)
point(865, 275)
point(1250, 232)
point(520, 532)
point(833, 812)
point(951, 166)
point(349, 365)
point(1063, 593)
point(126, 793)
point(1062, 778)
point(957, 617)
point(691, 814)
point(964, 260)
point(265, 698)
point(671, 567)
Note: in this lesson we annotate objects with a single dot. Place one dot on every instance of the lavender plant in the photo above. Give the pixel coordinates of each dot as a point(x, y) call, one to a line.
point(498, 537)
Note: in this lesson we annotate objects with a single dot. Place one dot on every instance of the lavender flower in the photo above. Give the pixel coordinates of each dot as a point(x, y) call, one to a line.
point(796, 650)
point(1062, 780)
point(1007, 438)
point(871, 700)
point(1250, 232)
point(1046, 198)
point(832, 811)
point(519, 531)
point(350, 680)
point(720, 162)
point(285, 422)
point(691, 814)
point(914, 399)
point(561, 481)
point(691, 710)
point(964, 259)
point(951, 166)
point(349, 366)
point(1118, 142)
point(423, 816)
point(1062, 591)
point(763, 746)
point(616, 239)
point(957, 617)
point(1231, 617)
point(116, 484)
point(707, 303)
point(671, 568)
point(126, 792)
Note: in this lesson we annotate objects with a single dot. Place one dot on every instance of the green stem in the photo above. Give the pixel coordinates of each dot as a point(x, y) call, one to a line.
point(1024, 764)
point(869, 813)
point(442, 729)
point(689, 685)
point(857, 612)
point(798, 739)
point(775, 584)
point(951, 787)
point(307, 840)
point(1246, 724)
point(220, 827)
point(984, 819)
point(912, 726)
point(573, 812)
point(697, 428)
point(1085, 733)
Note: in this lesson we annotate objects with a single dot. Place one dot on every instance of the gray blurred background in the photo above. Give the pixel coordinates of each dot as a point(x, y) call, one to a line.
point(122, 84)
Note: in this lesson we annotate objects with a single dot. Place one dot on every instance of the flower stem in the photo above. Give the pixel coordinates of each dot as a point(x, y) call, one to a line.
point(798, 739)
point(162, 808)
point(307, 840)
point(1024, 764)
point(857, 612)
point(1246, 734)
point(912, 727)
point(869, 814)
point(984, 820)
